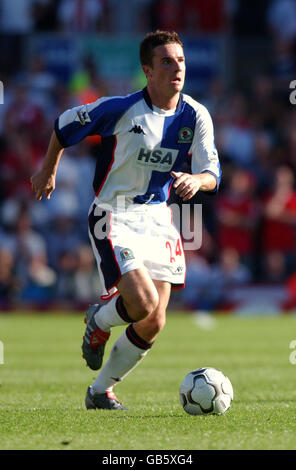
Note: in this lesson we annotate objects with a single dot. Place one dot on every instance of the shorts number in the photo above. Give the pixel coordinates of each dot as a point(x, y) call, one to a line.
point(178, 250)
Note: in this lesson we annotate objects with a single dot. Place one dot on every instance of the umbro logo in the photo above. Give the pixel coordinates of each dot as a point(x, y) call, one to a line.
point(137, 130)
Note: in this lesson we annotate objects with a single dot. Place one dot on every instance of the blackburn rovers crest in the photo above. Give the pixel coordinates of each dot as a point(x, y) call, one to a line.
point(185, 135)
point(126, 254)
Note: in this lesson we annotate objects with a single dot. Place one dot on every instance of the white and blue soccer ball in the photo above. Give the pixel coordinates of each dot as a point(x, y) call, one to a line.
point(206, 391)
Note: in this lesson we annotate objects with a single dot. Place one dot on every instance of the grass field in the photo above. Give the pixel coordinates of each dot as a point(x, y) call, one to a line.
point(43, 382)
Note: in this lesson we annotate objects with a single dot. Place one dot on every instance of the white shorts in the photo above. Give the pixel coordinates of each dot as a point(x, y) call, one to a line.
point(143, 235)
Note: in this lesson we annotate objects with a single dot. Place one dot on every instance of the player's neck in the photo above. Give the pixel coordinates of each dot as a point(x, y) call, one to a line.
point(163, 102)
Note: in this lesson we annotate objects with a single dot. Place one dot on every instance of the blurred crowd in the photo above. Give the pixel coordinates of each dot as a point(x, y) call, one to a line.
point(249, 229)
point(112, 16)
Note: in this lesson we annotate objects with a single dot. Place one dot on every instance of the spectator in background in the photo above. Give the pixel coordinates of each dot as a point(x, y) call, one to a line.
point(134, 16)
point(16, 16)
point(86, 86)
point(279, 223)
point(83, 160)
point(22, 115)
point(41, 279)
point(229, 272)
point(263, 104)
point(291, 292)
point(66, 198)
point(203, 16)
point(283, 64)
point(235, 132)
point(8, 279)
point(19, 157)
point(274, 268)
point(237, 213)
point(263, 165)
point(66, 267)
point(207, 286)
point(42, 85)
point(80, 15)
point(216, 99)
point(86, 277)
point(196, 295)
point(62, 237)
point(25, 272)
point(281, 19)
point(190, 16)
point(167, 15)
point(29, 244)
point(290, 135)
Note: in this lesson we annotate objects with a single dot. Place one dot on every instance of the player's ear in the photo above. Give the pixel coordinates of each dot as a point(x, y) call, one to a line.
point(147, 70)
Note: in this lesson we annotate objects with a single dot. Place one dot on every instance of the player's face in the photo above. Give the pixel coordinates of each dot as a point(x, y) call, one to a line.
point(167, 73)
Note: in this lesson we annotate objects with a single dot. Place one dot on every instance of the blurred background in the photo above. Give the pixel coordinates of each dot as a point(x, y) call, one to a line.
point(241, 60)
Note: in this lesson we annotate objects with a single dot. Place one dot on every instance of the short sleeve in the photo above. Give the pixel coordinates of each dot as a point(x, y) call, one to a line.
point(203, 149)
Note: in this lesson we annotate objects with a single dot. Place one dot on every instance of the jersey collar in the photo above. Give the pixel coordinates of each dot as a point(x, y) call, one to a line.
point(150, 105)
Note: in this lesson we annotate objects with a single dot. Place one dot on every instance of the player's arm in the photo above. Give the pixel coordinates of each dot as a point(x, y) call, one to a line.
point(206, 172)
point(71, 127)
point(43, 181)
point(187, 185)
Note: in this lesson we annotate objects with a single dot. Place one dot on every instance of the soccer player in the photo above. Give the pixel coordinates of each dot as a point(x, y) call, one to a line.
point(146, 136)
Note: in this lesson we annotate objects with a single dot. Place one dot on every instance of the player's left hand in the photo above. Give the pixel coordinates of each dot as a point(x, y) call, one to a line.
point(186, 185)
point(43, 182)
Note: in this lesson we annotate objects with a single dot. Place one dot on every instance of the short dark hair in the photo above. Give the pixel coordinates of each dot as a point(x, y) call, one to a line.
point(152, 40)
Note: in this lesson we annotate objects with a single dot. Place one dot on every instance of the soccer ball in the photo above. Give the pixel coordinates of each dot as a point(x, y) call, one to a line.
point(206, 391)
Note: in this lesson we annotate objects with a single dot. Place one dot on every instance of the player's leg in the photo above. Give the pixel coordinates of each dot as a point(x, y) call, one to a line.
point(121, 267)
point(138, 298)
point(129, 349)
point(149, 327)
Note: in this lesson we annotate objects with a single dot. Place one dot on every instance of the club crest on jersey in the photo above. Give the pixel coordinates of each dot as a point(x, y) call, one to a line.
point(158, 158)
point(126, 254)
point(83, 116)
point(185, 135)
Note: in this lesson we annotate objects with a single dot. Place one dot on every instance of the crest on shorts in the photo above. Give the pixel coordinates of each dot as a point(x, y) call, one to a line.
point(185, 135)
point(126, 254)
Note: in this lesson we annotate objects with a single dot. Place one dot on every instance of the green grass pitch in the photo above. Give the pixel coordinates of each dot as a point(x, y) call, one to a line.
point(43, 382)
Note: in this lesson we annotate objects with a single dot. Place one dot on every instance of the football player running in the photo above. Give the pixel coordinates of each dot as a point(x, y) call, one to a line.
point(146, 137)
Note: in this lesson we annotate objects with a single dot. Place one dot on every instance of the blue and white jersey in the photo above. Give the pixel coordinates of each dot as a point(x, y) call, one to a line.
point(141, 144)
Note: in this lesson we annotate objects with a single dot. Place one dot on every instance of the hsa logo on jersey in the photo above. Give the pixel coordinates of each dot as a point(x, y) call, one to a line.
point(159, 159)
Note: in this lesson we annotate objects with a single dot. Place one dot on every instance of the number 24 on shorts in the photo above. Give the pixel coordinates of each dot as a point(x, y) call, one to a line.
point(178, 250)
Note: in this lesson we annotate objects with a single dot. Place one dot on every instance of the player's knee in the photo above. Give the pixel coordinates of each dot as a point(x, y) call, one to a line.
point(148, 304)
point(143, 305)
point(156, 323)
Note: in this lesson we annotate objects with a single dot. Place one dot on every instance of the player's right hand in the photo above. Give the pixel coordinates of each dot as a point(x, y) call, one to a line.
point(43, 183)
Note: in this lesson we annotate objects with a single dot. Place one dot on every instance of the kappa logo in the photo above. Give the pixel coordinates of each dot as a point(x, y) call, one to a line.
point(185, 135)
point(137, 129)
point(83, 116)
point(159, 159)
point(178, 270)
